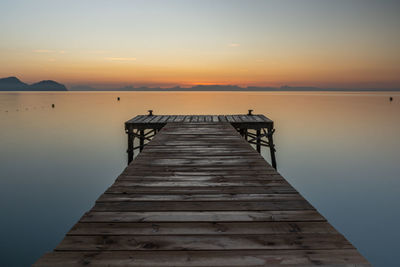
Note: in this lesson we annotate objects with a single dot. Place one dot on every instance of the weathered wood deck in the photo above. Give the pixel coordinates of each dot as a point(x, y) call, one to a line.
point(200, 195)
point(256, 129)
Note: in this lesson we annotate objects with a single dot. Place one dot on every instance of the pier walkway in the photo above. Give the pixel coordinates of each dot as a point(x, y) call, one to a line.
point(200, 195)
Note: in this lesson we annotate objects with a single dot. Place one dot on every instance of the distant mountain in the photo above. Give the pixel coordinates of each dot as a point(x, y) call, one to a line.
point(48, 86)
point(14, 84)
point(226, 88)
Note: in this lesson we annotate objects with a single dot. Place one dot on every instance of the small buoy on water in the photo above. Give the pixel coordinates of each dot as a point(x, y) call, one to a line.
point(391, 99)
point(118, 98)
point(52, 105)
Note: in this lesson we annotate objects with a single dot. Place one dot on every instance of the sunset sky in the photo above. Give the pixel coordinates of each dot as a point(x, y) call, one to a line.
point(338, 43)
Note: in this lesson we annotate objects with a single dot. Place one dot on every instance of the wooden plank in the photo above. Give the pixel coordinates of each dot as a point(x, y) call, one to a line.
point(202, 190)
point(237, 118)
point(179, 118)
point(204, 242)
point(197, 184)
point(282, 205)
point(155, 177)
point(205, 178)
point(339, 257)
point(181, 154)
point(202, 216)
point(222, 118)
point(164, 119)
point(134, 171)
point(171, 119)
point(204, 228)
point(201, 162)
point(258, 118)
point(230, 118)
point(198, 178)
point(205, 168)
point(198, 197)
point(148, 119)
point(247, 118)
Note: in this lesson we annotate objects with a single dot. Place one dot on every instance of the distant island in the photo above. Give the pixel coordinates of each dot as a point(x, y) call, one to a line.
point(14, 84)
point(226, 88)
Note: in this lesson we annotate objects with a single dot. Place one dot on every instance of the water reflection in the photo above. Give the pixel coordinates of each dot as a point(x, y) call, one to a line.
point(340, 150)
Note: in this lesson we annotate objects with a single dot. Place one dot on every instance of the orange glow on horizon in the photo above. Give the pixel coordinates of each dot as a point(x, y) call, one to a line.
point(98, 70)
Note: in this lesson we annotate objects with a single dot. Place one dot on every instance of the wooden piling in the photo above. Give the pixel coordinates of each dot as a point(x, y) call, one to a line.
point(130, 150)
point(141, 140)
point(258, 140)
point(272, 147)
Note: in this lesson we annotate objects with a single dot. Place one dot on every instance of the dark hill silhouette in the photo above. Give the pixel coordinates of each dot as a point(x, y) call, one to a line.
point(14, 84)
point(227, 88)
point(48, 85)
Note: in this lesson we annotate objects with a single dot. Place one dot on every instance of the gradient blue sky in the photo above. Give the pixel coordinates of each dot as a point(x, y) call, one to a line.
point(338, 43)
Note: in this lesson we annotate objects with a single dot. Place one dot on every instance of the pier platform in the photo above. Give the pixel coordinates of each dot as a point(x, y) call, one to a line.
point(256, 129)
point(200, 195)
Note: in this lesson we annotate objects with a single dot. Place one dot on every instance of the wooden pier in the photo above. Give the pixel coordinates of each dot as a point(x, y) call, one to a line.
point(200, 195)
point(256, 129)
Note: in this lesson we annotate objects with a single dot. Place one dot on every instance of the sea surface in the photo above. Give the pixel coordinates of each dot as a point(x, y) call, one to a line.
point(340, 150)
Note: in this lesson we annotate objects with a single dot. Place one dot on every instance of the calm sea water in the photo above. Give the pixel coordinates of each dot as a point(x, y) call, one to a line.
point(340, 150)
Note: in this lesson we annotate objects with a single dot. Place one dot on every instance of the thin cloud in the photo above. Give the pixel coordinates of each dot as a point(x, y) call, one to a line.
point(121, 58)
point(234, 45)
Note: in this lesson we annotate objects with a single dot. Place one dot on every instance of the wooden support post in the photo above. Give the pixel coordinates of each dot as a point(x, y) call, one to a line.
point(272, 147)
point(130, 144)
point(141, 140)
point(258, 141)
point(246, 136)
